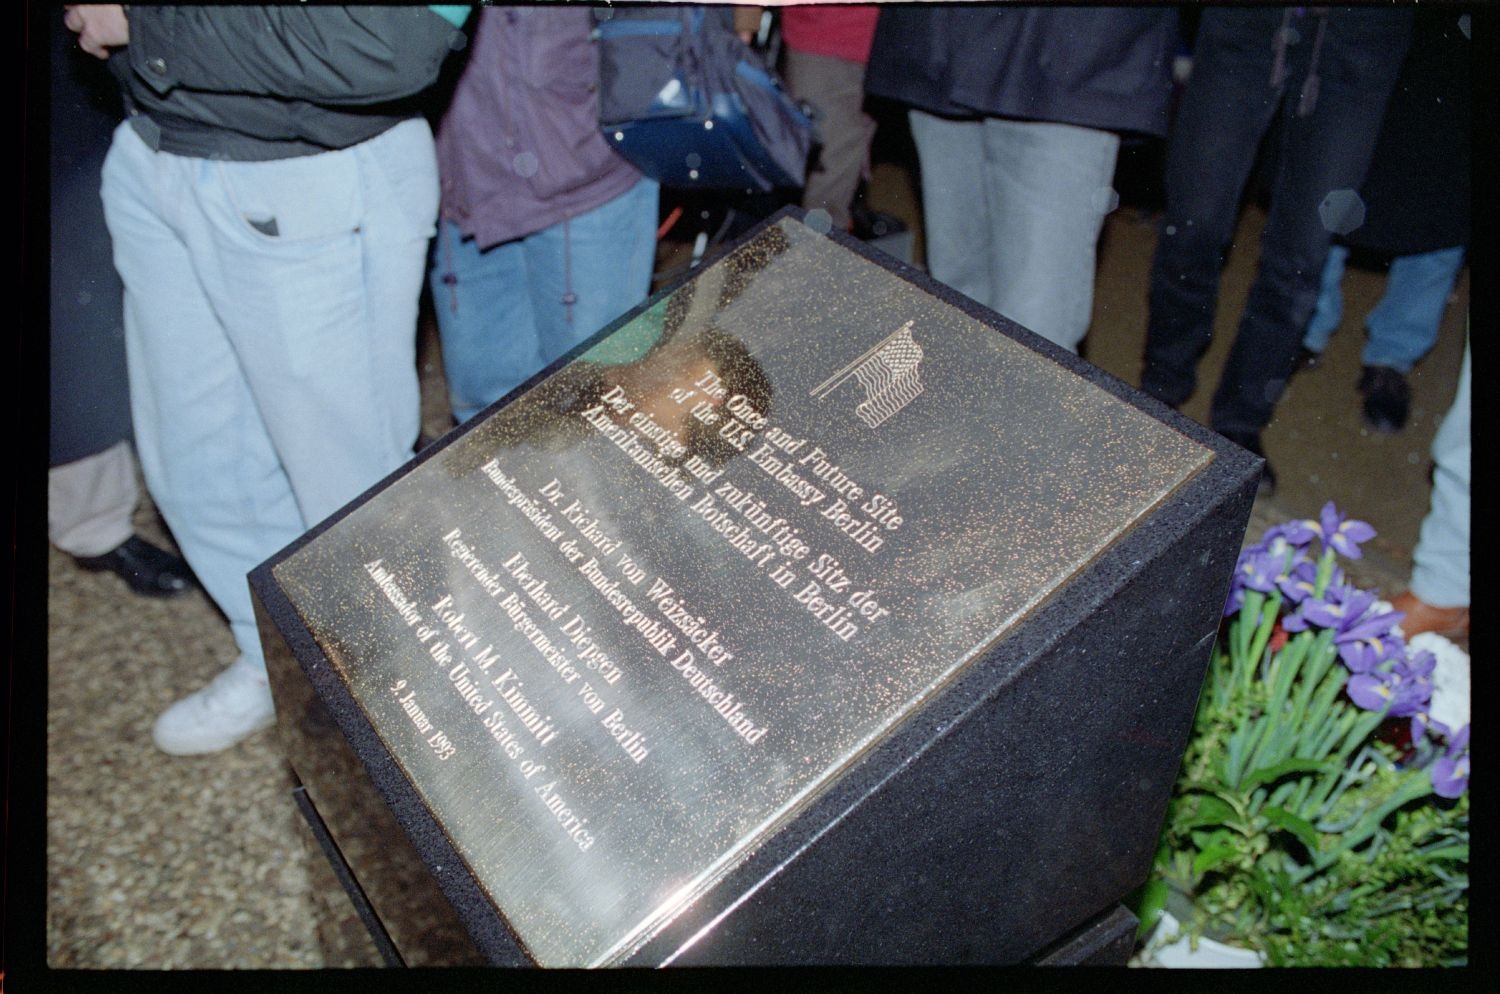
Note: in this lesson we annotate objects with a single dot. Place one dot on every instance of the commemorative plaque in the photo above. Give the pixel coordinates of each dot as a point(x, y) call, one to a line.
point(812, 614)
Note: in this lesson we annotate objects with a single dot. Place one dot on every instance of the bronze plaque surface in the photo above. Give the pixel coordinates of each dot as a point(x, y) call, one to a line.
point(635, 619)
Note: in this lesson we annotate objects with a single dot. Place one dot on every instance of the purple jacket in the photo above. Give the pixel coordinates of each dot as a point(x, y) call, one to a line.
point(519, 147)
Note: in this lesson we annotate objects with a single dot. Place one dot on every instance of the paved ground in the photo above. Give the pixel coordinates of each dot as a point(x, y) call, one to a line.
point(178, 863)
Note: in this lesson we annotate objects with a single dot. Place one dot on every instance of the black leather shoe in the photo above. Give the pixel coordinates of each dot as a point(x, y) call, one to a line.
point(148, 570)
point(1307, 359)
point(1387, 398)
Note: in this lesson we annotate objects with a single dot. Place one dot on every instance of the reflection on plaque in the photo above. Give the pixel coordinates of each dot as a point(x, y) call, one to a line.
point(624, 630)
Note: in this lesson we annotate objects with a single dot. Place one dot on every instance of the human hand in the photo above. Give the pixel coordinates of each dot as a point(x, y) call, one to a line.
point(100, 27)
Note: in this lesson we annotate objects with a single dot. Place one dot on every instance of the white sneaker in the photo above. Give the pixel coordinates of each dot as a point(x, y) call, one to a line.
point(235, 705)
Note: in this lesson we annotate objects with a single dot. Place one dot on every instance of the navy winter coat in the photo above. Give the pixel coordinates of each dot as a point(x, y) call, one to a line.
point(1097, 67)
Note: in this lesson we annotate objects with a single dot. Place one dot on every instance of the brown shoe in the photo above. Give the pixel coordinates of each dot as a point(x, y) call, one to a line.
point(1449, 622)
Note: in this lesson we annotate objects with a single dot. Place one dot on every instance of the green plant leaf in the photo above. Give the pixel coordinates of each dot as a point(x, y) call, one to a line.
point(1280, 723)
point(1300, 827)
point(1262, 636)
point(1214, 856)
point(1411, 789)
point(1449, 852)
point(1271, 774)
point(1209, 840)
point(1316, 669)
point(1243, 625)
point(1152, 902)
point(1209, 810)
point(1233, 755)
point(1364, 724)
point(1323, 716)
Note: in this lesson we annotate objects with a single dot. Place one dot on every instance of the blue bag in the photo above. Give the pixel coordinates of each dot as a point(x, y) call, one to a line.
point(691, 105)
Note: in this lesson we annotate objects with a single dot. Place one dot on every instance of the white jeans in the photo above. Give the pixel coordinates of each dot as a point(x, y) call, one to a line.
point(270, 326)
point(1013, 211)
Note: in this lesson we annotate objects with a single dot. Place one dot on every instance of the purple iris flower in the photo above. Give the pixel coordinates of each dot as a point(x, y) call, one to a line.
point(1371, 640)
point(1339, 608)
point(1460, 742)
point(1298, 534)
point(1369, 690)
point(1298, 584)
point(1388, 691)
point(1339, 533)
point(1369, 643)
point(1297, 620)
point(1417, 666)
point(1258, 570)
point(1422, 723)
point(1450, 775)
point(1409, 697)
point(1328, 611)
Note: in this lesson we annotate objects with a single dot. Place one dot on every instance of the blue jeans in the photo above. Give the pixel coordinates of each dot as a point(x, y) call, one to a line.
point(1440, 575)
point(270, 332)
point(507, 311)
point(1228, 107)
point(1403, 327)
point(1013, 211)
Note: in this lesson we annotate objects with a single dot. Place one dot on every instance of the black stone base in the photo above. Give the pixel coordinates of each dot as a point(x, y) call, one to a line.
point(1000, 822)
point(1107, 940)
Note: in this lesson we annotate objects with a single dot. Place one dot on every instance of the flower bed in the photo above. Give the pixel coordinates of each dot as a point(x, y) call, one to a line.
point(1297, 829)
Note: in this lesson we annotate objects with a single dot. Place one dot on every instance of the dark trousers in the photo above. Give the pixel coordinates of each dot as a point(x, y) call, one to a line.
point(1326, 134)
point(90, 391)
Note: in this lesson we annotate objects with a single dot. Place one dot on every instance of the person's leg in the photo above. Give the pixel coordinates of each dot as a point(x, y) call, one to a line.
point(836, 87)
point(1225, 111)
point(322, 316)
point(91, 482)
point(1048, 187)
point(89, 400)
point(203, 449)
point(587, 271)
point(1322, 160)
point(485, 324)
point(1404, 325)
point(1440, 576)
point(1328, 313)
point(90, 501)
point(507, 311)
point(956, 218)
point(270, 382)
point(1402, 329)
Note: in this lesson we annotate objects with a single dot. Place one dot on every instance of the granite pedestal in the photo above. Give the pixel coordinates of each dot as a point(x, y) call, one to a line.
point(810, 614)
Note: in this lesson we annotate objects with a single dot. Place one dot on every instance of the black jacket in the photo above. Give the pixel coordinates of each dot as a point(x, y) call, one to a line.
point(251, 83)
point(1417, 191)
point(1097, 67)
